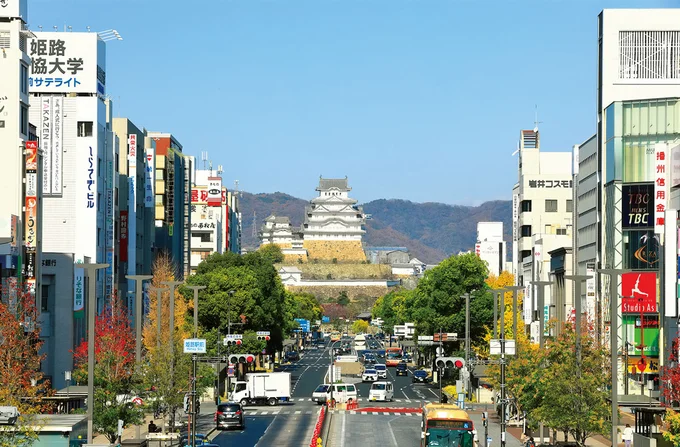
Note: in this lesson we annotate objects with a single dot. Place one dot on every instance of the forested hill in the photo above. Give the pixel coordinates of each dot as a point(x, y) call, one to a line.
point(431, 231)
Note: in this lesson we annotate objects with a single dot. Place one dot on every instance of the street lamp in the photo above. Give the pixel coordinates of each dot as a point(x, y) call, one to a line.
point(138, 326)
point(331, 368)
point(496, 294)
point(196, 289)
point(171, 286)
point(541, 328)
point(514, 290)
point(67, 377)
point(91, 270)
point(578, 309)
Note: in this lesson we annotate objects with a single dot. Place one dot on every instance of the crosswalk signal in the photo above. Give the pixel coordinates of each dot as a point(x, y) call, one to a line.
point(450, 362)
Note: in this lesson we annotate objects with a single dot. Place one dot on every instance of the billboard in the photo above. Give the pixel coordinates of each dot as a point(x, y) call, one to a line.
point(31, 200)
point(214, 191)
point(132, 208)
point(675, 165)
point(640, 250)
point(67, 63)
point(149, 179)
point(78, 291)
point(199, 195)
point(123, 247)
point(637, 206)
point(642, 333)
point(661, 190)
point(56, 143)
point(45, 133)
point(638, 292)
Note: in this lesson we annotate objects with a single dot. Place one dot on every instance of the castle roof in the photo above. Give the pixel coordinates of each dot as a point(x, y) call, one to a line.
point(278, 219)
point(331, 183)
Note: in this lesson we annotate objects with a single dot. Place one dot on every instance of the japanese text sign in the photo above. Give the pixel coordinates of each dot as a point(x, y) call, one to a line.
point(194, 346)
point(556, 183)
point(661, 189)
point(637, 206)
point(638, 292)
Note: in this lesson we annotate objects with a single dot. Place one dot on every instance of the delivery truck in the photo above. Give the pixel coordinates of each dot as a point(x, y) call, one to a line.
point(261, 388)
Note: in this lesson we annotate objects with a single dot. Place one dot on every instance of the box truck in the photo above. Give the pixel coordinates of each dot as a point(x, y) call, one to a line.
point(261, 388)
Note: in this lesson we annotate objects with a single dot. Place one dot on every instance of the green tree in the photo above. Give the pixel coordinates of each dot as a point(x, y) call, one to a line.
point(391, 308)
point(672, 427)
point(272, 252)
point(343, 299)
point(304, 305)
point(360, 327)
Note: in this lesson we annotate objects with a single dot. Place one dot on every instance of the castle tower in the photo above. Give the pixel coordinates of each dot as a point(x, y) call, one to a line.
point(333, 226)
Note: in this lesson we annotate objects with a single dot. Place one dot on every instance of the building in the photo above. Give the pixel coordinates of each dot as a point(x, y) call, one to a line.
point(387, 255)
point(638, 84)
point(172, 196)
point(490, 246)
point(67, 85)
point(234, 221)
point(542, 217)
point(333, 224)
point(19, 229)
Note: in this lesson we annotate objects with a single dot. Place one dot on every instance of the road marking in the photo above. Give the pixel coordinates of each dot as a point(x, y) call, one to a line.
point(404, 393)
point(298, 412)
point(343, 431)
point(435, 394)
point(394, 439)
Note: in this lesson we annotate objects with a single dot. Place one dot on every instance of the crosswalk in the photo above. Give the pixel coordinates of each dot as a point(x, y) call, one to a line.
point(277, 412)
point(361, 399)
point(308, 412)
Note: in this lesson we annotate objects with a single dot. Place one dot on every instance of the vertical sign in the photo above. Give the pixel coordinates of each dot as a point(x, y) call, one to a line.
point(45, 133)
point(57, 124)
point(669, 286)
point(31, 214)
point(14, 222)
point(515, 234)
point(109, 230)
point(132, 207)
point(591, 299)
point(660, 187)
point(214, 191)
point(149, 179)
point(526, 304)
point(78, 291)
point(123, 247)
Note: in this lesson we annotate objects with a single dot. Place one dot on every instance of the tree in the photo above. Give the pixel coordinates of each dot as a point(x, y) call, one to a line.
point(304, 305)
point(272, 253)
point(670, 376)
point(672, 427)
point(360, 327)
point(114, 371)
point(21, 382)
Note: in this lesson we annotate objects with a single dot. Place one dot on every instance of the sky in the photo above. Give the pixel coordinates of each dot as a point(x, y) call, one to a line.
point(420, 100)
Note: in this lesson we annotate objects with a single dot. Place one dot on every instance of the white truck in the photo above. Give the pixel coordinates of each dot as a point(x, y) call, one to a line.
point(260, 388)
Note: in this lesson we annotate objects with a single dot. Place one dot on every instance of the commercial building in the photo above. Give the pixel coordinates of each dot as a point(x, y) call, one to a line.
point(542, 222)
point(172, 201)
point(490, 246)
point(620, 176)
point(67, 86)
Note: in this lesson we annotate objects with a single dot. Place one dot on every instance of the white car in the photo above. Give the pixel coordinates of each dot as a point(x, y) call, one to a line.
point(383, 391)
point(382, 370)
point(369, 375)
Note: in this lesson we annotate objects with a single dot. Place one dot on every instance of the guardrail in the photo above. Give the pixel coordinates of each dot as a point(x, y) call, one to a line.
point(316, 437)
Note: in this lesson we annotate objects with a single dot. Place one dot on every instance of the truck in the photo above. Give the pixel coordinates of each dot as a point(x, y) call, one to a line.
point(261, 388)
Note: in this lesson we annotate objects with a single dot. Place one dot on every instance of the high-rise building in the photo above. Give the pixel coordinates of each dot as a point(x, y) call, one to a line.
point(490, 246)
point(542, 222)
point(172, 205)
point(67, 87)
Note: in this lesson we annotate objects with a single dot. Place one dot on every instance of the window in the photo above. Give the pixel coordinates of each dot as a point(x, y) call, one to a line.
point(526, 230)
point(550, 206)
point(570, 206)
point(24, 79)
point(159, 199)
point(44, 299)
point(562, 231)
point(84, 128)
point(526, 206)
point(24, 120)
point(159, 174)
point(99, 234)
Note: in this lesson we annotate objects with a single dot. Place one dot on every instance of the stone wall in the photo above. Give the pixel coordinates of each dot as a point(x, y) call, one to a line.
point(293, 260)
point(343, 251)
point(332, 292)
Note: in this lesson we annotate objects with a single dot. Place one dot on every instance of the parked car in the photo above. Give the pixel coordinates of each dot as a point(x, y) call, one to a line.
point(420, 376)
point(230, 414)
point(402, 369)
point(381, 369)
point(369, 375)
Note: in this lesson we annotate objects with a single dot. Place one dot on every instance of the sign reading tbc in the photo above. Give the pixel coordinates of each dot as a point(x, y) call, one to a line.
point(637, 206)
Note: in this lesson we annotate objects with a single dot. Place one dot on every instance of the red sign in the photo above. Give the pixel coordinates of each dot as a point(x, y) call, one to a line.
point(638, 292)
point(199, 195)
point(123, 246)
point(31, 156)
point(31, 222)
point(642, 365)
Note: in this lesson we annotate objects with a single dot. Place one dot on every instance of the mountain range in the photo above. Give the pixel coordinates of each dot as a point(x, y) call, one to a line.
point(431, 231)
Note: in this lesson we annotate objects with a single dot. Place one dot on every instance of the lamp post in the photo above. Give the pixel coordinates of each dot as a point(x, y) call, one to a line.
point(138, 326)
point(614, 343)
point(578, 309)
point(67, 377)
point(196, 289)
point(171, 286)
point(91, 272)
point(503, 393)
point(496, 294)
point(231, 294)
point(541, 328)
point(514, 290)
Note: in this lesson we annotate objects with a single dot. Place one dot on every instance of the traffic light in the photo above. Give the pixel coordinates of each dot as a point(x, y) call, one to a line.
point(241, 358)
point(187, 402)
point(263, 335)
point(449, 362)
point(233, 343)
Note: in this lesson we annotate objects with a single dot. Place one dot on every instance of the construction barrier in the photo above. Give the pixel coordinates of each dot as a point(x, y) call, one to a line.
point(316, 437)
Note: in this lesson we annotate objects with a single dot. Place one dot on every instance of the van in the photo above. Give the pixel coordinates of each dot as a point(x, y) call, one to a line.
point(383, 391)
point(341, 392)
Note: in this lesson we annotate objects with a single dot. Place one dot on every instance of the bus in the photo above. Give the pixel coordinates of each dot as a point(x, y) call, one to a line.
point(446, 425)
point(393, 356)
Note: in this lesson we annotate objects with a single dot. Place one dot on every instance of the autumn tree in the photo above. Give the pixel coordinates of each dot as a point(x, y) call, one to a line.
point(21, 382)
point(114, 370)
point(360, 327)
point(670, 377)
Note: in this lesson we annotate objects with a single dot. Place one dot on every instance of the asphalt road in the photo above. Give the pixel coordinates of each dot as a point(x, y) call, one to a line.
point(359, 430)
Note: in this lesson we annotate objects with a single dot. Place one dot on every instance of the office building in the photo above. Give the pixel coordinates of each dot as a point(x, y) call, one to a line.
point(490, 246)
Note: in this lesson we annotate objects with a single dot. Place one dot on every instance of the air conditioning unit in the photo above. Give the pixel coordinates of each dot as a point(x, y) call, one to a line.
point(8, 415)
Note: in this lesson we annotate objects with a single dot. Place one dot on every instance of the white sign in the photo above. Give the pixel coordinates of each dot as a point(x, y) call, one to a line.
point(515, 217)
point(234, 337)
point(132, 151)
point(45, 133)
point(67, 63)
point(78, 289)
point(591, 298)
point(262, 333)
point(214, 191)
point(149, 179)
point(132, 208)
point(14, 8)
point(194, 346)
point(661, 188)
point(57, 149)
point(675, 165)
point(495, 346)
point(527, 303)
point(425, 337)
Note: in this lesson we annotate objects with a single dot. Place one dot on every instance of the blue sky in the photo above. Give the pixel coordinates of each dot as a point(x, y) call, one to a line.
point(413, 99)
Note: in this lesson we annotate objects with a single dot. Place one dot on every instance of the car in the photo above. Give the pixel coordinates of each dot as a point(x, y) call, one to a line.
point(322, 393)
point(420, 376)
point(383, 391)
point(402, 369)
point(292, 356)
point(230, 414)
point(406, 357)
point(381, 369)
point(369, 357)
point(369, 375)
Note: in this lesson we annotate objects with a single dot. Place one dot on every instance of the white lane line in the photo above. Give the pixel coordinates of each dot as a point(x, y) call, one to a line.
point(343, 431)
point(404, 392)
point(394, 438)
point(433, 393)
point(298, 412)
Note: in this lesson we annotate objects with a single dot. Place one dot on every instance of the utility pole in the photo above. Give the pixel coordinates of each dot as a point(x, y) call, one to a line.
point(496, 294)
point(138, 326)
point(467, 343)
point(503, 392)
point(91, 272)
point(439, 376)
point(541, 329)
point(196, 289)
point(171, 286)
point(578, 309)
point(614, 343)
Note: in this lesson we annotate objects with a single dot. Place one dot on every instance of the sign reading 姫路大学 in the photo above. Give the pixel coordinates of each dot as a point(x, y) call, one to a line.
point(67, 63)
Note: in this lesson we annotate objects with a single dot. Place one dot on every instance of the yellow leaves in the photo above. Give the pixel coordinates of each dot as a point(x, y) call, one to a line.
point(671, 427)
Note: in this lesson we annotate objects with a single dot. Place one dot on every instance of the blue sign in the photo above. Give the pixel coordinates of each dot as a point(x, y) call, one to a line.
point(194, 346)
point(325, 319)
point(304, 324)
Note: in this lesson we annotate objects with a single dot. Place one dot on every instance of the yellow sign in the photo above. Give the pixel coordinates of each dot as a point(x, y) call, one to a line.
point(651, 365)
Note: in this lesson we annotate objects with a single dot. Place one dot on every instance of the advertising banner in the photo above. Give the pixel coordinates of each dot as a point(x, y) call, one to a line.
point(643, 334)
point(214, 191)
point(149, 179)
point(31, 222)
point(14, 223)
point(591, 297)
point(515, 217)
point(132, 208)
point(199, 195)
point(57, 148)
point(661, 189)
point(640, 250)
point(123, 246)
point(526, 303)
point(675, 165)
point(637, 206)
point(78, 291)
point(638, 292)
point(45, 133)
point(31, 156)
point(670, 266)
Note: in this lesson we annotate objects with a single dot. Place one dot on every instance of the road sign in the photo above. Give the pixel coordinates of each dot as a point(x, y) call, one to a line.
point(262, 333)
point(495, 346)
point(304, 324)
point(235, 336)
point(230, 370)
point(440, 351)
point(325, 319)
point(425, 337)
point(194, 346)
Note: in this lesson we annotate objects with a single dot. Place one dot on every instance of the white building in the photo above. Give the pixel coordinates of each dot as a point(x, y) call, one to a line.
point(277, 230)
point(542, 216)
point(67, 86)
point(333, 215)
point(490, 246)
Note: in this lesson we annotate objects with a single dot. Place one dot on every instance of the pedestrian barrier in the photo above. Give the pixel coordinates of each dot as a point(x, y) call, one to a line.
point(316, 437)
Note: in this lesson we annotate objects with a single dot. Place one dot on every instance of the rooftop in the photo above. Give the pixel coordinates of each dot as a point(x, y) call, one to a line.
point(278, 219)
point(329, 183)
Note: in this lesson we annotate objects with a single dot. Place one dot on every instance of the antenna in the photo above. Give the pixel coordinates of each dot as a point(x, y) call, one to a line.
point(210, 166)
point(204, 158)
point(254, 224)
point(219, 170)
point(536, 121)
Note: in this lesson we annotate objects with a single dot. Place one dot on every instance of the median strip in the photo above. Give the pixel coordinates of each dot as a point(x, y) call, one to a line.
point(387, 410)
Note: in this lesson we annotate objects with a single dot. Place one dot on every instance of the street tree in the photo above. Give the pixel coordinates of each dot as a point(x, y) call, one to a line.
point(303, 305)
point(671, 429)
point(669, 376)
point(360, 327)
point(21, 382)
point(114, 371)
